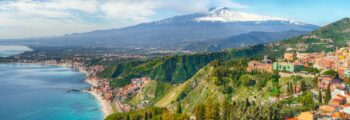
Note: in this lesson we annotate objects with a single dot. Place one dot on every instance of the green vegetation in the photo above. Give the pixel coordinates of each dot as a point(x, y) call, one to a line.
point(217, 85)
point(331, 73)
point(153, 92)
point(319, 97)
point(328, 96)
point(148, 114)
point(175, 69)
point(244, 110)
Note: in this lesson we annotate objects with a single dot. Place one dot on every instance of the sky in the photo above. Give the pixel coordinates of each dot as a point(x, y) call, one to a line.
point(41, 18)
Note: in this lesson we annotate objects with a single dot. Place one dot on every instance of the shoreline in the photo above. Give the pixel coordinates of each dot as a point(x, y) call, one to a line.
point(106, 107)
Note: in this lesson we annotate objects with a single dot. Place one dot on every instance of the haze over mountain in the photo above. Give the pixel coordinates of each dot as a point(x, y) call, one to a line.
point(178, 32)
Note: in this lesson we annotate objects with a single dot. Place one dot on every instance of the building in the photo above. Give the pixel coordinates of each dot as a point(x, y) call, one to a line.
point(347, 72)
point(328, 109)
point(266, 60)
point(325, 81)
point(306, 116)
point(324, 64)
point(287, 67)
point(259, 66)
point(289, 56)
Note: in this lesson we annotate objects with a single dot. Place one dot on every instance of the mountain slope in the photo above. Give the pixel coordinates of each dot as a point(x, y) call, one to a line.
point(242, 40)
point(171, 33)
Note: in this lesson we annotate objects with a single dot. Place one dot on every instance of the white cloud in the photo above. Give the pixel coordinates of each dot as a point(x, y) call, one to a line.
point(136, 10)
point(32, 18)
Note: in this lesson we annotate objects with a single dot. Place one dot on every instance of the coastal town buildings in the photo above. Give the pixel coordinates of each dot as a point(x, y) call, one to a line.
point(259, 66)
point(287, 66)
point(264, 66)
point(289, 56)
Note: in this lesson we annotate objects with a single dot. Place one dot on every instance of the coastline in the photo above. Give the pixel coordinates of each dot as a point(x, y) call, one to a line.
point(106, 107)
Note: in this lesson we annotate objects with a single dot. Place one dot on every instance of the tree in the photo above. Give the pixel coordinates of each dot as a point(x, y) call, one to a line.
point(246, 80)
point(212, 111)
point(289, 88)
point(319, 97)
point(275, 91)
point(328, 94)
point(303, 86)
point(145, 116)
point(331, 73)
point(225, 108)
point(179, 109)
point(199, 112)
point(216, 114)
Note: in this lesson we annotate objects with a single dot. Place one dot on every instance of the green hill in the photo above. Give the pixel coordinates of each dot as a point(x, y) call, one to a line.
point(195, 82)
point(174, 69)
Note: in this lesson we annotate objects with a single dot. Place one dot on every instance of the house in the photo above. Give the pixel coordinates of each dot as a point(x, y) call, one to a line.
point(347, 72)
point(327, 109)
point(288, 67)
point(108, 95)
point(306, 116)
point(335, 102)
point(266, 60)
point(340, 116)
point(324, 64)
point(259, 66)
point(347, 96)
point(325, 81)
point(288, 56)
point(346, 109)
point(341, 98)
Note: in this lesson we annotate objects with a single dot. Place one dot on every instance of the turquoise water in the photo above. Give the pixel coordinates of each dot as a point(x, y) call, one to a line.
point(40, 92)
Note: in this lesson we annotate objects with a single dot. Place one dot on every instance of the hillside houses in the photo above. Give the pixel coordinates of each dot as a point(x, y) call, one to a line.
point(134, 87)
point(287, 66)
point(264, 66)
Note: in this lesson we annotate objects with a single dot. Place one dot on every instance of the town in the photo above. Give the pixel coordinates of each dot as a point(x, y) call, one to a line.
point(330, 72)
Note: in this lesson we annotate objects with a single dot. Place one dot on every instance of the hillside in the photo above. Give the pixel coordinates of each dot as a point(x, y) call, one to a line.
point(325, 39)
point(242, 40)
point(174, 69)
point(177, 69)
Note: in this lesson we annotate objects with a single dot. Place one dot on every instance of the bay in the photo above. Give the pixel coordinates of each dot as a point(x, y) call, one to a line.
point(42, 92)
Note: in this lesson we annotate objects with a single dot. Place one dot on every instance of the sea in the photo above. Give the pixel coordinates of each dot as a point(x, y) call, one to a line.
point(45, 92)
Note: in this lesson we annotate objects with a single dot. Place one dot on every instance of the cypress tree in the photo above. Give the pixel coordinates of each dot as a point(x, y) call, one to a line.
point(319, 97)
point(145, 116)
point(303, 86)
point(179, 109)
point(328, 94)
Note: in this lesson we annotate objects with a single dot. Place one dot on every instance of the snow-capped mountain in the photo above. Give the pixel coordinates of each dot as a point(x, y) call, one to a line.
point(176, 32)
point(227, 15)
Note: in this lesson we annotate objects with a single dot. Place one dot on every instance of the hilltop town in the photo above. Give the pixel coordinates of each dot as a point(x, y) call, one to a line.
point(331, 72)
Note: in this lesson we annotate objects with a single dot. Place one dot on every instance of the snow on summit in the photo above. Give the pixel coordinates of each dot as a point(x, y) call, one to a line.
point(227, 15)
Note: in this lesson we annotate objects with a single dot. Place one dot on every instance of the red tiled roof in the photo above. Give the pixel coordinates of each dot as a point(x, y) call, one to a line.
point(340, 96)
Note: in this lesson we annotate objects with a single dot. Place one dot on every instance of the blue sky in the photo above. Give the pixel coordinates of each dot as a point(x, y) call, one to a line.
point(36, 18)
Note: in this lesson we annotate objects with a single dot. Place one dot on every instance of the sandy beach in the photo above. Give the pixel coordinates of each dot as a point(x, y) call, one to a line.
point(105, 105)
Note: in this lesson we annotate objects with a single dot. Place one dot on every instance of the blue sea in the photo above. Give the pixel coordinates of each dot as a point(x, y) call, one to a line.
point(42, 92)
